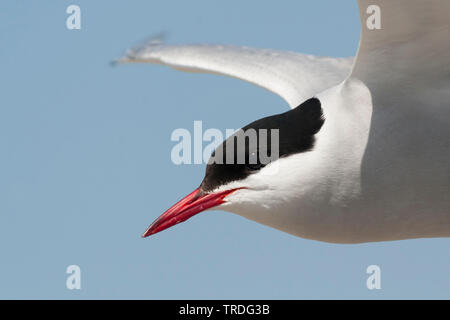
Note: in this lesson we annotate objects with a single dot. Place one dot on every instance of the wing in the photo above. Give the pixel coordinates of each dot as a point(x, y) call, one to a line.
point(293, 76)
point(409, 49)
point(406, 66)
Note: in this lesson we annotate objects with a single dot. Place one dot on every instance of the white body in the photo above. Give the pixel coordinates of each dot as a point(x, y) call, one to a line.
point(362, 182)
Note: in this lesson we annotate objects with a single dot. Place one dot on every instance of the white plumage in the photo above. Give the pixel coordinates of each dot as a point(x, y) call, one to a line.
point(380, 168)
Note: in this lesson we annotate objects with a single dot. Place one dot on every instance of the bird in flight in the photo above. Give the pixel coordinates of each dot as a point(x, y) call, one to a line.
point(364, 152)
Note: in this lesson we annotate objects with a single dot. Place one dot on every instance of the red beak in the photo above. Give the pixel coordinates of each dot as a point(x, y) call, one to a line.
point(193, 203)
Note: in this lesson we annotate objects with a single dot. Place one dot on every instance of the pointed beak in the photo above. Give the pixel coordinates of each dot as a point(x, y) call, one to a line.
point(193, 203)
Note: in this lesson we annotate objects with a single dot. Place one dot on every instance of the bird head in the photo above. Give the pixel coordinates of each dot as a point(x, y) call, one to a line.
point(256, 169)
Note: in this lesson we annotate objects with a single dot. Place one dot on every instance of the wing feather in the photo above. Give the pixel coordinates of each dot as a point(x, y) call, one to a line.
point(293, 76)
point(410, 50)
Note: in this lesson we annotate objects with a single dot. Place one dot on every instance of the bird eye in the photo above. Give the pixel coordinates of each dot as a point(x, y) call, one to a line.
point(254, 166)
point(254, 163)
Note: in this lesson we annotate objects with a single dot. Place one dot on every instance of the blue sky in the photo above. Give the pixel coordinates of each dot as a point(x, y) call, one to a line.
point(85, 160)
